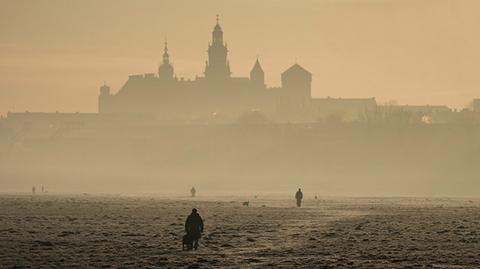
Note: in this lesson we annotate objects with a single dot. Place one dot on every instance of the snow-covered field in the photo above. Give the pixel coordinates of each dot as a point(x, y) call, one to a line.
point(84, 231)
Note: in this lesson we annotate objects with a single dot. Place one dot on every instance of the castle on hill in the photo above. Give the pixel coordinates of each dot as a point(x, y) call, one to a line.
point(218, 97)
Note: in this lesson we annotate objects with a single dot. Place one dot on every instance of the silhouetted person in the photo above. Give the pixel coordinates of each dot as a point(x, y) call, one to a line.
point(193, 191)
point(33, 189)
point(299, 197)
point(194, 227)
point(43, 189)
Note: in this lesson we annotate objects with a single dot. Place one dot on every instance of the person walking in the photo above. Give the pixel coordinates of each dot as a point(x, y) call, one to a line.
point(193, 191)
point(194, 227)
point(299, 197)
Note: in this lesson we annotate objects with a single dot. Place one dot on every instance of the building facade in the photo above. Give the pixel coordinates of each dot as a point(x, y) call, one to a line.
point(216, 96)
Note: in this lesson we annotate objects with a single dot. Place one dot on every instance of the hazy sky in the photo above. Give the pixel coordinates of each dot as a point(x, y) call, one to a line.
point(54, 54)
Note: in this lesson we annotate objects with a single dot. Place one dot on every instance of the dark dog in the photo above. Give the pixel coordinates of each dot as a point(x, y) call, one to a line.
point(187, 243)
point(247, 203)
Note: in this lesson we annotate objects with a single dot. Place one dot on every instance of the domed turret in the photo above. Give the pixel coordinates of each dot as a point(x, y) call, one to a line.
point(165, 71)
point(104, 89)
point(104, 98)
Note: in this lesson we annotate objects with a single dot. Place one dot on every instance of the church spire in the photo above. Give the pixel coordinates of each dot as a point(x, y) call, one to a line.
point(257, 68)
point(217, 34)
point(165, 70)
point(166, 57)
point(257, 76)
point(217, 66)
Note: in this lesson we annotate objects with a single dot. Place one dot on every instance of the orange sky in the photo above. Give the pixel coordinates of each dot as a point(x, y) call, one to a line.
point(54, 54)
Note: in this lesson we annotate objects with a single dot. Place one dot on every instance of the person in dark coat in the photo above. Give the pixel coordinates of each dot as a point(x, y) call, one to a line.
point(299, 197)
point(194, 227)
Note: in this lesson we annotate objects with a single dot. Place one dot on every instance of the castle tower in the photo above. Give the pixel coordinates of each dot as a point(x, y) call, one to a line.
point(257, 76)
point(217, 66)
point(165, 70)
point(297, 81)
point(104, 98)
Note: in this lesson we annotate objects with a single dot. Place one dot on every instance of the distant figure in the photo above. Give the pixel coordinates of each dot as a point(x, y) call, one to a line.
point(316, 197)
point(299, 197)
point(194, 229)
point(33, 189)
point(193, 191)
point(43, 189)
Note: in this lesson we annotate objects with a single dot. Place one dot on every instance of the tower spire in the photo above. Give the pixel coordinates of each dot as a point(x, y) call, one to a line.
point(166, 57)
point(257, 76)
point(217, 66)
point(165, 70)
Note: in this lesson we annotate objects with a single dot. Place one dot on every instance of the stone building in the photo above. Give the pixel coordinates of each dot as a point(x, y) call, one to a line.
point(218, 97)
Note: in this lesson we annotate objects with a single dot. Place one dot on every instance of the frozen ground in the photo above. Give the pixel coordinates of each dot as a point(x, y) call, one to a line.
point(83, 231)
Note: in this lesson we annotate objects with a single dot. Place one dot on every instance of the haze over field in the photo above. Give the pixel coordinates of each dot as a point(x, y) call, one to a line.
point(55, 54)
point(283, 149)
point(160, 133)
